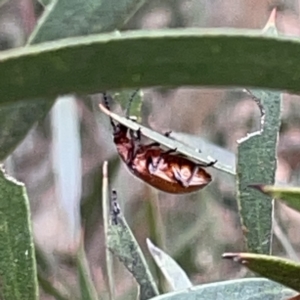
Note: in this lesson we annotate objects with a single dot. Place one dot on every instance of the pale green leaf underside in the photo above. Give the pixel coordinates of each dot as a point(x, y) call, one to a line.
point(174, 274)
point(240, 289)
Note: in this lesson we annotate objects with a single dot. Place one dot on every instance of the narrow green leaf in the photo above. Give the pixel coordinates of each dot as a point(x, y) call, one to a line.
point(50, 289)
point(290, 195)
point(174, 274)
point(46, 271)
point(16, 120)
point(240, 289)
point(124, 246)
point(106, 223)
point(45, 265)
point(17, 264)
point(226, 159)
point(87, 288)
point(256, 162)
point(281, 270)
point(155, 223)
point(69, 18)
point(217, 57)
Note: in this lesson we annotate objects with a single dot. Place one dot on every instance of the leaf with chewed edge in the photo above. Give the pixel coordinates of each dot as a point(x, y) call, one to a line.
point(256, 162)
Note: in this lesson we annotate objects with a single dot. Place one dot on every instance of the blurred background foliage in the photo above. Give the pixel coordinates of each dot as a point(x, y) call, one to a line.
point(194, 229)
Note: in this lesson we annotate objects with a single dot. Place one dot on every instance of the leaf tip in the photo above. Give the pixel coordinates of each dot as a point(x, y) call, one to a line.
point(271, 20)
point(229, 255)
point(259, 187)
point(105, 169)
point(104, 109)
point(236, 257)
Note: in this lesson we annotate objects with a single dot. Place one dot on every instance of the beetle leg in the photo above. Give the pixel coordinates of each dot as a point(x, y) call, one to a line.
point(133, 150)
point(131, 155)
point(170, 151)
point(179, 179)
point(210, 164)
point(196, 169)
point(138, 134)
point(135, 135)
point(183, 182)
point(132, 136)
point(186, 183)
point(154, 166)
point(161, 156)
point(135, 144)
point(154, 144)
point(168, 133)
point(150, 166)
point(106, 103)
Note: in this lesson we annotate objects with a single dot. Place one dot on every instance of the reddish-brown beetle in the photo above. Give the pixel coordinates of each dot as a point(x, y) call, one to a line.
point(165, 170)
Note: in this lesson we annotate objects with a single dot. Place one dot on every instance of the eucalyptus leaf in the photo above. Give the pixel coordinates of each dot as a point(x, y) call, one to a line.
point(69, 18)
point(281, 270)
point(17, 263)
point(106, 211)
point(240, 289)
point(174, 274)
point(124, 246)
point(87, 288)
point(257, 162)
point(131, 60)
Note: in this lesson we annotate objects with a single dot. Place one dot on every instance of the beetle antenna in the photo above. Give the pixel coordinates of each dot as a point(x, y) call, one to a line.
point(106, 104)
point(130, 102)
